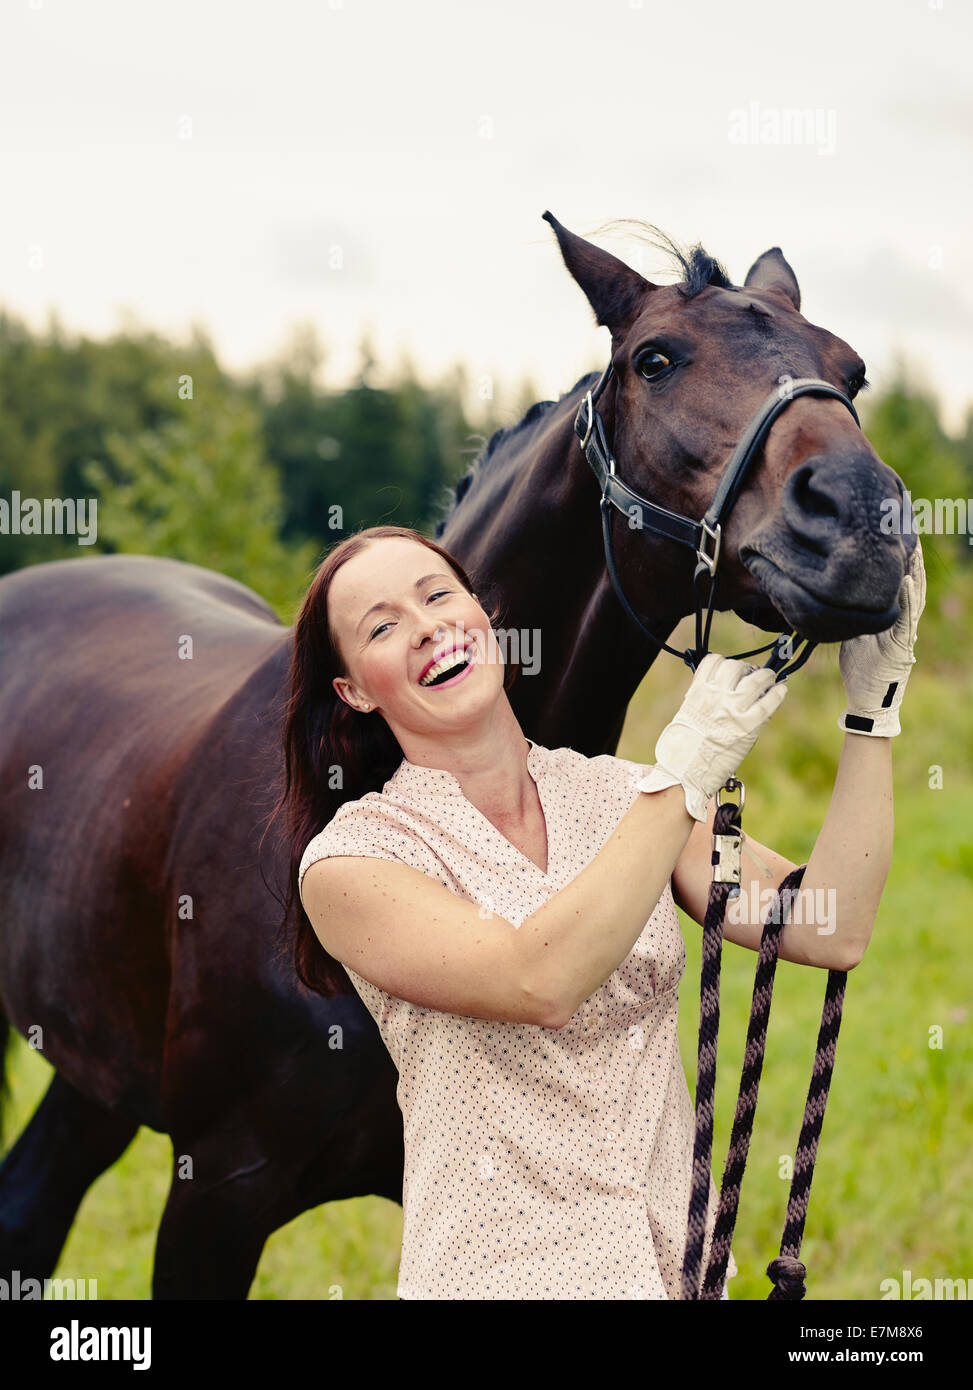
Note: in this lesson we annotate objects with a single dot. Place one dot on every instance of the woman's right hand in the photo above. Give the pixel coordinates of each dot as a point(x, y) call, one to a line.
point(875, 667)
point(725, 707)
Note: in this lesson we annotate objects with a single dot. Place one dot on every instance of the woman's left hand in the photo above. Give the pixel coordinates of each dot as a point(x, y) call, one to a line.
point(876, 666)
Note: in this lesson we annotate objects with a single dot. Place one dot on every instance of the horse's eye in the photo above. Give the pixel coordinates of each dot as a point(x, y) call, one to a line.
point(857, 383)
point(652, 364)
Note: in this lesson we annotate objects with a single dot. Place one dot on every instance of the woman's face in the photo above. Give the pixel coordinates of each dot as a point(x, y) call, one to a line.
point(394, 608)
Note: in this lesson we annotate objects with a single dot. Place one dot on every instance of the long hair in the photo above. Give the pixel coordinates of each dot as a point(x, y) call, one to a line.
point(322, 735)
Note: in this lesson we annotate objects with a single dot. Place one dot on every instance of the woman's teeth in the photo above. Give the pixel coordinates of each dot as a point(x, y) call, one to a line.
point(454, 659)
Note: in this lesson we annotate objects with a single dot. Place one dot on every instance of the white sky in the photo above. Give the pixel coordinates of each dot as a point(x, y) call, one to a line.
point(426, 137)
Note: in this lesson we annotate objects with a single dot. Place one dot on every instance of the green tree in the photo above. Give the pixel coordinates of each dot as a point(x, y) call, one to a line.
point(199, 488)
point(904, 427)
point(60, 397)
point(378, 453)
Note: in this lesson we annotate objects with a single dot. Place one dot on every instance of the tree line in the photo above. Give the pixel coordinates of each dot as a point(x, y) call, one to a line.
point(258, 474)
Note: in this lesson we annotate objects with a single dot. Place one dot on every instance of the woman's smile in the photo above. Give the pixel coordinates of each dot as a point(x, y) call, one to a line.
point(456, 653)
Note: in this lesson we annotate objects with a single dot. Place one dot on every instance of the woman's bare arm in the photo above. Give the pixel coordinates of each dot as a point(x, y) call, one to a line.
point(571, 945)
point(833, 915)
point(414, 938)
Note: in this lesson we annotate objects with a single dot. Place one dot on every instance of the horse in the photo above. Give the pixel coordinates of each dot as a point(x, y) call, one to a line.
point(137, 938)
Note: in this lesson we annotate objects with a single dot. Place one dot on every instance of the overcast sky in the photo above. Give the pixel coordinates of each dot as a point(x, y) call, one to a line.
point(383, 165)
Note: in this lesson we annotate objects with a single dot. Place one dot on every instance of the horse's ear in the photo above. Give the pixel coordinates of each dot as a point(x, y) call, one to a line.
point(613, 289)
point(771, 272)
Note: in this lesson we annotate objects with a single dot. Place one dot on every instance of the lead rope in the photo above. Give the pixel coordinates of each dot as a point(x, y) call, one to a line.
point(786, 1271)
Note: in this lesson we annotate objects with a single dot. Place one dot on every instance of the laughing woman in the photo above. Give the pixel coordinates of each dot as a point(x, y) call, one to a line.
point(507, 913)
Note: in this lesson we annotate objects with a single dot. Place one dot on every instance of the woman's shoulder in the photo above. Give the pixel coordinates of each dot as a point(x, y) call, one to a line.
point(604, 768)
point(368, 826)
point(377, 825)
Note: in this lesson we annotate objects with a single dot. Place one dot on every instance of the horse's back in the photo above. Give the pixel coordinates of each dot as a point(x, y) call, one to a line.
point(118, 675)
point(118, 585)
point(175, 636)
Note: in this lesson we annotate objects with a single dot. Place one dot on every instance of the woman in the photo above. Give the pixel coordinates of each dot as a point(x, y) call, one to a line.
point(507, 914)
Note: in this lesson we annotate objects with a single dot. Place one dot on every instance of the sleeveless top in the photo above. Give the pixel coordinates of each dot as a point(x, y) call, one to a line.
point(540, 1163)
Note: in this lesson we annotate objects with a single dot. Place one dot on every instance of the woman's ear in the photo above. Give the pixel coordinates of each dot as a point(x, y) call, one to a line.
point(345, 691)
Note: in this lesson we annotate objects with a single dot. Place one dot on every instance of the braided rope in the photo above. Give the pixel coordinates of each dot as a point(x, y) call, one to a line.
point(727, 821)
point(786, 1271)
point(753, 1060)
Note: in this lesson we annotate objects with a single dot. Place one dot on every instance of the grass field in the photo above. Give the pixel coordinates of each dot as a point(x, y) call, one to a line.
point(895, 1164)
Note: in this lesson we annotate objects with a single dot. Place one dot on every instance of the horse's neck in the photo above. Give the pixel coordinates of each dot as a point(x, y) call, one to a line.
point(529, 529)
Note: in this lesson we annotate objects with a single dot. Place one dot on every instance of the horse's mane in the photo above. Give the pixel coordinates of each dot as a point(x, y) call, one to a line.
point(697, 268)
point(499, 437)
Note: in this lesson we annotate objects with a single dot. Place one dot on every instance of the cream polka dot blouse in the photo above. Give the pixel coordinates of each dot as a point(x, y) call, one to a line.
point(540, 1163)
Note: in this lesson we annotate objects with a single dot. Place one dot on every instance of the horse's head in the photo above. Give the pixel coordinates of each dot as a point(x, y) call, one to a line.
point(804, 546)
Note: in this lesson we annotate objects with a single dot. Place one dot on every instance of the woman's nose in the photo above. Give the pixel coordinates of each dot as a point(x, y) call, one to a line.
point(432, 628)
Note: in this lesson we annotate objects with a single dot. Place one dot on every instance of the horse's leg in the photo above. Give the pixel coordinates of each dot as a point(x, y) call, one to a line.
point(211, 1237)
point(239, 1188)
point(69, 1141)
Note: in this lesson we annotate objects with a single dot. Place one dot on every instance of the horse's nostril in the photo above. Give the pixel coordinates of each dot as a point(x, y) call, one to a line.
point(812, 499)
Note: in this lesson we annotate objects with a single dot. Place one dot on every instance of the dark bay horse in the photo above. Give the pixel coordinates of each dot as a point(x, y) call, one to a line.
point(137, 931)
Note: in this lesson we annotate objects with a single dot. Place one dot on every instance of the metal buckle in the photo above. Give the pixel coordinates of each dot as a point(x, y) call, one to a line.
point(591, 419)
point(732, 784)
point(726, 861)
point(726, 848)
point(715, 535)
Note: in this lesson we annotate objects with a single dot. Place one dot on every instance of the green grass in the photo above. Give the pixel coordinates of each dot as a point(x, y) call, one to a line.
point(894, 1166)
point(344, 1250)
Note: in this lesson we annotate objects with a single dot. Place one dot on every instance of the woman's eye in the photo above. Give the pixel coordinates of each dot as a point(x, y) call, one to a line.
point(652, 364)
point(438, 593)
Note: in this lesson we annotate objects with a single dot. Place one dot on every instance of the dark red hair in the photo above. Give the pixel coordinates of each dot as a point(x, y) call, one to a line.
point(321, 733)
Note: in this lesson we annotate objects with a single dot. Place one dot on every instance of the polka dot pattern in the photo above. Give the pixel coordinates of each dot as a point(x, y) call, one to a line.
point(540, 1163)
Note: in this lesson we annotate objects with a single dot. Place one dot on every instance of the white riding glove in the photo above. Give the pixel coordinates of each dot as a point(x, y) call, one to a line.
point(717, 724)
point(875, 667)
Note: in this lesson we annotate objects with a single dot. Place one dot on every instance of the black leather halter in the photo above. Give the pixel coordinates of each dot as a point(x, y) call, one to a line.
point(705, 537)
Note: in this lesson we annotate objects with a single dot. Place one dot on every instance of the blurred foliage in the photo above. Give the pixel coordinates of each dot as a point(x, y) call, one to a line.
point(383, 454)
point(59, 399)
point(904, 428)
point(200, 489)
point(257, 475)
